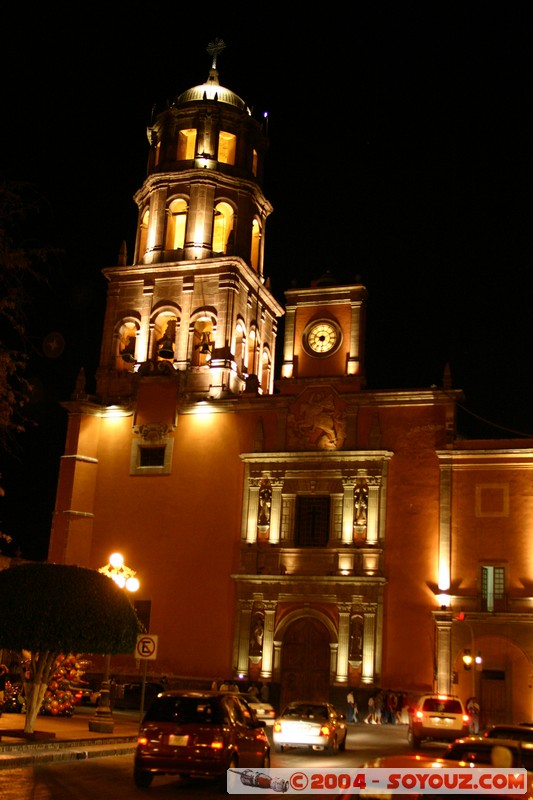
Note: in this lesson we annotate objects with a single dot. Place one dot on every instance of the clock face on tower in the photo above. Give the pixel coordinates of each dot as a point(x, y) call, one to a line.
point(322, 337)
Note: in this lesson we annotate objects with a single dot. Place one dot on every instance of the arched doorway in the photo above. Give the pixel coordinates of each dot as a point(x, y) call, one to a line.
point(305, 661)
point(502, 684)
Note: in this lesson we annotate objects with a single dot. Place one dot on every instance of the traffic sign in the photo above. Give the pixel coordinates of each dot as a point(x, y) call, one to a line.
point(146, 647)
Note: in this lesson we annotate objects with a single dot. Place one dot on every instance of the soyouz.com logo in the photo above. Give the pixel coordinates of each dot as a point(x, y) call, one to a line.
point(453, 781)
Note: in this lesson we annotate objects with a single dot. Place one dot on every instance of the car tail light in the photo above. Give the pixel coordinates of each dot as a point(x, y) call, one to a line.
point(466, 719)
point(324, 730)
point(217, 743)
point(419, 715)
point(142, 740)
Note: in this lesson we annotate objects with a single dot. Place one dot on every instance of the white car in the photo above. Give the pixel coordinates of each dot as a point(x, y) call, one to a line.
point(318, 726)
point(437, 717)
point(263, 711)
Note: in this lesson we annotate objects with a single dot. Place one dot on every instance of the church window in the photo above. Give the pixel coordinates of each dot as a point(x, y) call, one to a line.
point(240, 341)
point(492, 587)
point(265, 372)
point(151, 456)
point(143, 235)
point(254, 162)
point(151, 452)
point(312, 521)
point(222, 228)
point(251, 362)
point(226, 147)
point(256, 240)
point(176, 223)
point(186, 144)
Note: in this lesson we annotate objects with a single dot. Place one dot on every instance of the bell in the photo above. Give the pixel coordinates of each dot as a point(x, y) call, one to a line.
point(166, 350)
point(205, 349)
point(128, 358)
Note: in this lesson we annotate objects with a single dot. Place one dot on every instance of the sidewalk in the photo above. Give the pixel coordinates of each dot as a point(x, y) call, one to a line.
point(65, 738)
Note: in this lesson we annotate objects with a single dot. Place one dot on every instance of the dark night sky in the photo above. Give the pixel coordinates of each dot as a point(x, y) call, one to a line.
point(400, 151)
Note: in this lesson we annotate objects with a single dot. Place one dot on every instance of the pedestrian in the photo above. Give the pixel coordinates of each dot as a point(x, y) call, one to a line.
point(378, 708)
point(264, 693)
point(472, 708)
point(3, 679)
point(399, 707)
point(392, 703)
point(350, 700)
point(371, 708)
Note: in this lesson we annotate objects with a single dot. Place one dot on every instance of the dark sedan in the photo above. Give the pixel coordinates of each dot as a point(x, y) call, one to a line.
point(199, 734)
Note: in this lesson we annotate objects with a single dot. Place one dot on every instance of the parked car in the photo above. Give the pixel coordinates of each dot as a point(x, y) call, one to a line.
point(437, 717)
point(318, 726)
point(469, 752)
point(522, 733)
point(263, 711)
point(128, 695)
point(199, 734)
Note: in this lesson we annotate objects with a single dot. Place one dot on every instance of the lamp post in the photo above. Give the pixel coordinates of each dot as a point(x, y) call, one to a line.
point(124, 577)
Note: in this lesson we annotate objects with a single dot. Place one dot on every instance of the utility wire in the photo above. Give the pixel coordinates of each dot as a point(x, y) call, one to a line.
point(494, 424)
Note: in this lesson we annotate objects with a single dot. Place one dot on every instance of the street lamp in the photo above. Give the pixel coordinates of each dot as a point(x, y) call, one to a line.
point(124, 577)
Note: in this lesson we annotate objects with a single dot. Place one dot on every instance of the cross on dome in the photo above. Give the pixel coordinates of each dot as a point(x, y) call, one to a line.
point(214, 48)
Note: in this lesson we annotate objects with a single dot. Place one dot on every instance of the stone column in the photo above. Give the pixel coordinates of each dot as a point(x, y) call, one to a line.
point(443, 621)
point(369, 647)
point(372, 522)
point(253, 510)
point(275, 512)
point(243, 634)
point(343, 653)
point(347, 511)
point(268, 641)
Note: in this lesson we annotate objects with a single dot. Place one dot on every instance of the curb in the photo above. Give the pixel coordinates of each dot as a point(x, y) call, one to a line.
point(27, 755)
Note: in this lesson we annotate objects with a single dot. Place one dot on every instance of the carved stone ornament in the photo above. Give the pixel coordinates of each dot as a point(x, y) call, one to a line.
point(155, 433)
point(317, 421)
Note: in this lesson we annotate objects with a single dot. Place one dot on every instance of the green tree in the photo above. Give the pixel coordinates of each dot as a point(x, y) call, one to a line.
point(22, 259)
point(61, 609)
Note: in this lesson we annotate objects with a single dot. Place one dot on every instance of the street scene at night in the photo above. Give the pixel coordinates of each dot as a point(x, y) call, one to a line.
point(265, 388)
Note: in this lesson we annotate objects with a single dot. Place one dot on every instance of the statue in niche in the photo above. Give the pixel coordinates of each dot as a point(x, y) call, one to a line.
point(356, 639)
point(360, 503)
point(257, 632)
point(265, 503)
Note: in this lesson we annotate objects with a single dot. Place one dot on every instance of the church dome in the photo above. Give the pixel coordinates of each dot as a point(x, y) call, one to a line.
point(212, 90)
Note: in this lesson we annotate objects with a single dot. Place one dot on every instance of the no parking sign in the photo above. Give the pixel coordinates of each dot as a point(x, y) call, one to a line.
point(146, 647)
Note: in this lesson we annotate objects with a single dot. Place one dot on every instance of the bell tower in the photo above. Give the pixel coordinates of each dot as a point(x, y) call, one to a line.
point(195, 304)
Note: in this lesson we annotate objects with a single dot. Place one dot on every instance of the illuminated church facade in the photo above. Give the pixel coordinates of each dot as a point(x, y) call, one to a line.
point(290, 527)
